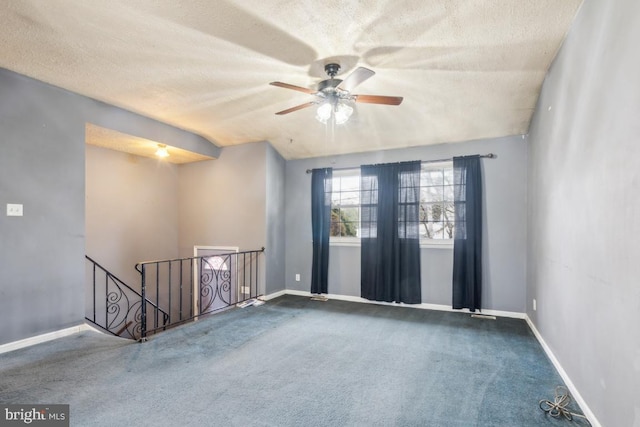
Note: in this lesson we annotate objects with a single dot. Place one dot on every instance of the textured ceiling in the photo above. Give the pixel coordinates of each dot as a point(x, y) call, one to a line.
point(466, 69)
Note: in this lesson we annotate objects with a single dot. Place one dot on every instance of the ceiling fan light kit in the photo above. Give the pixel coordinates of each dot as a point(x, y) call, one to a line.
point(334, 98)
point(340, 111)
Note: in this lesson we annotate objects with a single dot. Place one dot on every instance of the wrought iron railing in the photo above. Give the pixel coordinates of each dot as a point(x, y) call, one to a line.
point(114, 306)
point(195, 286)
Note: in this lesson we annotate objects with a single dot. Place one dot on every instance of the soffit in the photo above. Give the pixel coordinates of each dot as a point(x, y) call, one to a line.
point(114, 140)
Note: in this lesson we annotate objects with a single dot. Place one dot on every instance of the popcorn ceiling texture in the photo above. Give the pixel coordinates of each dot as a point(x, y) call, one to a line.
point(466, 69)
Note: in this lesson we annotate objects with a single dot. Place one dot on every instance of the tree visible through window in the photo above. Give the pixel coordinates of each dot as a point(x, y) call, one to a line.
point(345, 204)
point(436, 201)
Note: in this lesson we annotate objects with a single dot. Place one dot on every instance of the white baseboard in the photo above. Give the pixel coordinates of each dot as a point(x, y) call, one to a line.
point(565, 377)
point(15, 345)
point(424, 306)
point(273, 295)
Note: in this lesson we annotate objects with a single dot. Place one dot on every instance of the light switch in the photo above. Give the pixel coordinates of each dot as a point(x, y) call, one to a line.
point(14, 209)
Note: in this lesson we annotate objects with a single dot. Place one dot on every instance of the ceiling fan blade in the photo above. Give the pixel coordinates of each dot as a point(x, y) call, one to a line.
point(294, 87)
point(296, 108)
point(377, 99)
point(358, 75)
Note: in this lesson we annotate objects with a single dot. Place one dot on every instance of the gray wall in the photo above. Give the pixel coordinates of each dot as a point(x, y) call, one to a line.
point(223, 202)
point(131, 211)
point(504, 225)
point(584, 218)
point(275, 225)
point(42, 166)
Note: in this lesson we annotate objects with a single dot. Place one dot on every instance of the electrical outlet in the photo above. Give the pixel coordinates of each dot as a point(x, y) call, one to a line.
point(534, 305)
point(14, 209)
point(297, 277)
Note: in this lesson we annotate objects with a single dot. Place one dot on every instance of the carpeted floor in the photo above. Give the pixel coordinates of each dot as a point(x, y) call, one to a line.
point(296, 362)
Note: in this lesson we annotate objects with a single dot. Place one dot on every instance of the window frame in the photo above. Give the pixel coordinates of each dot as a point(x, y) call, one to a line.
point(347, 240)
point(436, 243)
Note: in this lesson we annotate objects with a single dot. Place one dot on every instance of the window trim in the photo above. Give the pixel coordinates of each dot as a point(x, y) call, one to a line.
point(355, 242)
point(436, 243)
point(351, 172)
point(436, 166)
point(344, 241)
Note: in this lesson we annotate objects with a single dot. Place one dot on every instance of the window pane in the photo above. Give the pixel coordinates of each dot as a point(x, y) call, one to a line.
point(448, 176)
point(448, 211)
point(350, 229)
point(432, 212)
point(349, 214)
point(436, 201)
point(334, 229)
point(335, 185)
point(424, 194)
point(369, 197)
point(431, 194)
point(335, 198)
point(435, 230)
point(431, 177)
point(437, 194)
point(449, 230)
point(462, 190)
point(368, 218)
point(423, 230)
point(350, 183)
point(350, 198)
point(447, 192)
point(369, 183)
point(345, 204)
point(368, 214)
point(407, 195)
point(424, 212)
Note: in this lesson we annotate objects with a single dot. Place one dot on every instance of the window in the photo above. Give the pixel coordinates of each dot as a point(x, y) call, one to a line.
point(215, 263)
point(436, 201)
point(436, 204)
point(345, 204)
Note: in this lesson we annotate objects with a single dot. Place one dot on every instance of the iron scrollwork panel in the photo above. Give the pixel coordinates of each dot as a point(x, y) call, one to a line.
point(124, 314)
point(216, 290)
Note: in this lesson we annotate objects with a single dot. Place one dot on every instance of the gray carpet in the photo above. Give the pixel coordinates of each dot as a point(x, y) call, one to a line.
point(296, 362)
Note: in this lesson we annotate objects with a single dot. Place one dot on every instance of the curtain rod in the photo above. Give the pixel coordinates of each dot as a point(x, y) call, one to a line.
point(482, 156)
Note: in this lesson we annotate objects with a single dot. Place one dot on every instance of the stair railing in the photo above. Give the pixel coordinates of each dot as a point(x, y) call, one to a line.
point(195, 286)
point(116, 307)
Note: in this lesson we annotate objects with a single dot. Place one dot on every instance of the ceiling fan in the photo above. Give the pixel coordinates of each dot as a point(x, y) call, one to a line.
point(334, 95)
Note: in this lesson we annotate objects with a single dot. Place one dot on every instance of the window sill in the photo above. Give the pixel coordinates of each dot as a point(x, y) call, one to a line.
point(438, 245)
point(355, 242)
point(344, 241)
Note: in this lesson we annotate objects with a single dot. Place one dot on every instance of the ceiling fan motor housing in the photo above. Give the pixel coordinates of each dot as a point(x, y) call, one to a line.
point(329, 83)
point(332, 69)
point(328, 86)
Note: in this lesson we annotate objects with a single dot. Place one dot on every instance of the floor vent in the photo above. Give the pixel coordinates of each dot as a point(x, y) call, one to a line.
point(250, 302)
point(483, 316)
